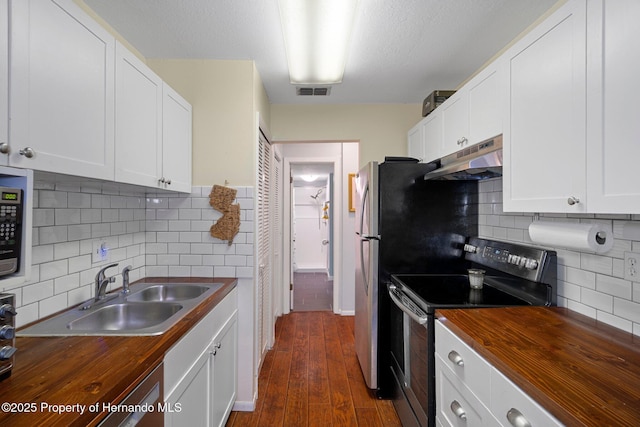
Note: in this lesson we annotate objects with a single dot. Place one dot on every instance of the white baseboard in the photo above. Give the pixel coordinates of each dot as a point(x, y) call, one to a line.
point(244, 406)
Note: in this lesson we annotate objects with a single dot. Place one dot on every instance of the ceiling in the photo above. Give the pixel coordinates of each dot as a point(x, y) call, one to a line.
point(401, 50)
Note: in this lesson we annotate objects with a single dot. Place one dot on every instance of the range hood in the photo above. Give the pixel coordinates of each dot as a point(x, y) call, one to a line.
point(479, 161)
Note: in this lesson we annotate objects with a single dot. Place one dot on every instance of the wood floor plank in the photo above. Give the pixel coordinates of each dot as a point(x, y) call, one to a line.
point(297, 406)
point(272, 413)
point(320, 415)
point(387, 413)
point(360, 393)
point(312, 378)
point(343, 412)
point(318, 374)
point(368, 417)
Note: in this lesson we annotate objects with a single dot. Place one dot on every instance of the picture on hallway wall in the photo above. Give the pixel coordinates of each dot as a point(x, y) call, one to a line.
point(352, 193)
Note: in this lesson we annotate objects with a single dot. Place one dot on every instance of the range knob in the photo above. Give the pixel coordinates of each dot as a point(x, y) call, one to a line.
point(514, 259)
point(7, 310)
point(470, 248)
point(6, 352)
point(531, 264)
point(7, 332)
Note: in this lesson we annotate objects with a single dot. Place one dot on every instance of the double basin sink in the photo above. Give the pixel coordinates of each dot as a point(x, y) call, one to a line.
point(150, 309)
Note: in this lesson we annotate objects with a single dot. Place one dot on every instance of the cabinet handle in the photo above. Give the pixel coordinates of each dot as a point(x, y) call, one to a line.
point(456, 358)
point(4, 148)
point(168, 182)
point(462, 141)
point(573, 200)
point(516, 419)
point(162, 180)
point(458, 410)
point(27, 152)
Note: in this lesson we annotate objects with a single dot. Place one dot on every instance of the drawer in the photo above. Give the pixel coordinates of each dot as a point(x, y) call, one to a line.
point(456, 405)
point(457, 356)
point(507, 397)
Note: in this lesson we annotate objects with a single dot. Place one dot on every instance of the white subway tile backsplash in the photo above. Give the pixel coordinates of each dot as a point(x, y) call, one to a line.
point(159, 234)
point(591, 284)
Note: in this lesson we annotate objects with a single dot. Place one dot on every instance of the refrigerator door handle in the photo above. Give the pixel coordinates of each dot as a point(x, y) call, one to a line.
point(363, 268)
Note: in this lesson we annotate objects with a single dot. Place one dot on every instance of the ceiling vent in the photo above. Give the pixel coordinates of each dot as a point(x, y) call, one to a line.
point(313, 91)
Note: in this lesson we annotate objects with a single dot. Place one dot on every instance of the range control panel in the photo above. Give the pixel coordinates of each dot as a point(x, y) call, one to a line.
point(522, 261)
point(7, 334)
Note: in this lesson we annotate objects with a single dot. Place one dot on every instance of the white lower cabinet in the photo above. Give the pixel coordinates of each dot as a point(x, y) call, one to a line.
point(200, 371)
point(471, 392)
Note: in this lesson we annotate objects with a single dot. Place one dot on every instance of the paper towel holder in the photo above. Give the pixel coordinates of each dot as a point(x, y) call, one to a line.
point(601, 237)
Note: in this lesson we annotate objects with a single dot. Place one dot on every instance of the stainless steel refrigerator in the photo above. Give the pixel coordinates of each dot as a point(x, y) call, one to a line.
point(404, 224)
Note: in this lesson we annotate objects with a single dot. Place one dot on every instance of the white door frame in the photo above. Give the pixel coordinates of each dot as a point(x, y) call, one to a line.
point(337, 228)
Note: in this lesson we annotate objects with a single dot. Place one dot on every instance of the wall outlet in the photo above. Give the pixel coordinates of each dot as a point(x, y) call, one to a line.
point(101, 251)
point(632, 266)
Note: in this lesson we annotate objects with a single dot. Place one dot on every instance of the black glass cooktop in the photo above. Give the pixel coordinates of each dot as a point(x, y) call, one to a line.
point(446, 290)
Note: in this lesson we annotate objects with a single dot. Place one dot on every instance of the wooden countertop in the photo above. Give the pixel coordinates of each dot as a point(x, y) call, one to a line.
point(583, 372)
point(88, 370)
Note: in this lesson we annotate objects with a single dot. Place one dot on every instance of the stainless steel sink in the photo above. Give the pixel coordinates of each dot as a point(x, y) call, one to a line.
point(150, 309)
point(125, 316)
point(170, 292)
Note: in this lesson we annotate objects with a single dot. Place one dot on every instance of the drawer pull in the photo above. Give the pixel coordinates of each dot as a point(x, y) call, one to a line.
point(516, 418)
point(456, 358)
point(458, 410)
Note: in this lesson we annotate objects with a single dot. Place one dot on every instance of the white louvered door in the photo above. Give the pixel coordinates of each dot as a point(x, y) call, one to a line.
point(265, 250)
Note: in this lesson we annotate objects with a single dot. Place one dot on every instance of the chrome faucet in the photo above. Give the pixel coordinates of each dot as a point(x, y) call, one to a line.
point(125, 280)
point(102, 281)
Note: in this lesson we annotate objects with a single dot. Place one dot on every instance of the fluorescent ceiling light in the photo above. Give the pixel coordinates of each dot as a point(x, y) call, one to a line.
point(309, 178)
point(316, 36)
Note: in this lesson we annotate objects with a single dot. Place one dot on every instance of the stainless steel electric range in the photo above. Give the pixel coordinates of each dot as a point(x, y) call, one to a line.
point(514, 275)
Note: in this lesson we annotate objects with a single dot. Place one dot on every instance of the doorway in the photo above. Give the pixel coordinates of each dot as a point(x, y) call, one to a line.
point(312, 189)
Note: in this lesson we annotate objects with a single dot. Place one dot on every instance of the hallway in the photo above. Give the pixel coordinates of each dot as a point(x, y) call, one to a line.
point(311, 377)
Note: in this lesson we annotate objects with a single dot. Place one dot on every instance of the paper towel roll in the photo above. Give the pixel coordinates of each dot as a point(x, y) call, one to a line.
point(584, 237)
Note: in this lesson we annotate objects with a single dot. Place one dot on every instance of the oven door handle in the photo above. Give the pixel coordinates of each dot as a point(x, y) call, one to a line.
point(405, 304)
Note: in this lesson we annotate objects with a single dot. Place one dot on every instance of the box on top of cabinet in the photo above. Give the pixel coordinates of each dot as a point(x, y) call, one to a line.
point(434, 99)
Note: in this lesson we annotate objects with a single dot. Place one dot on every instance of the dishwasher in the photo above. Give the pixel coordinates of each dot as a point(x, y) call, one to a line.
point(142, 407)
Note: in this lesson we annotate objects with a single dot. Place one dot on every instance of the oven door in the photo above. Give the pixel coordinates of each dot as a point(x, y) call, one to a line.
point(412, 359)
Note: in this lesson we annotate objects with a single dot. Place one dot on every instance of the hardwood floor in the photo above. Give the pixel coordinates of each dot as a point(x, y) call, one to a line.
point(311, 377)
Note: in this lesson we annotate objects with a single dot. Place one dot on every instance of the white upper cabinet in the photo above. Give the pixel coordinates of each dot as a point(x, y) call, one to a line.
point(138, 121)
point(415, 148)
point(4, 82)
point(613, 112)
point(455, 122)
point(486, 104)
point(176, 141)
point(425, 138)
point(545, 119)
point(62, 90)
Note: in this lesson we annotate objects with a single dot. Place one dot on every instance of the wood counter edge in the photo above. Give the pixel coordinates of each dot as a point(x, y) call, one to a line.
point(149, 359)
point(568, 318)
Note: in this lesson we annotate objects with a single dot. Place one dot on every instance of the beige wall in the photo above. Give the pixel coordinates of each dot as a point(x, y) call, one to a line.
point(381, 129)
point(222, 96)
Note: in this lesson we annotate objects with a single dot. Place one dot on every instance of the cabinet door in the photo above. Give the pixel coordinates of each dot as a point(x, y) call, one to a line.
point(432, 136)
point(613, 125)
point(138, 121)
point(485, 104)
point(544, 125)
point(224, 372)
point(176, 141)
point(4, 81)
point(455, 123)
point(188, 404)
point(62, 90)
point(415, 148)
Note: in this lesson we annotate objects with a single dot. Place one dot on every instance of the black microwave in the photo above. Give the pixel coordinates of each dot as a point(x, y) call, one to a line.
point(11, 211)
